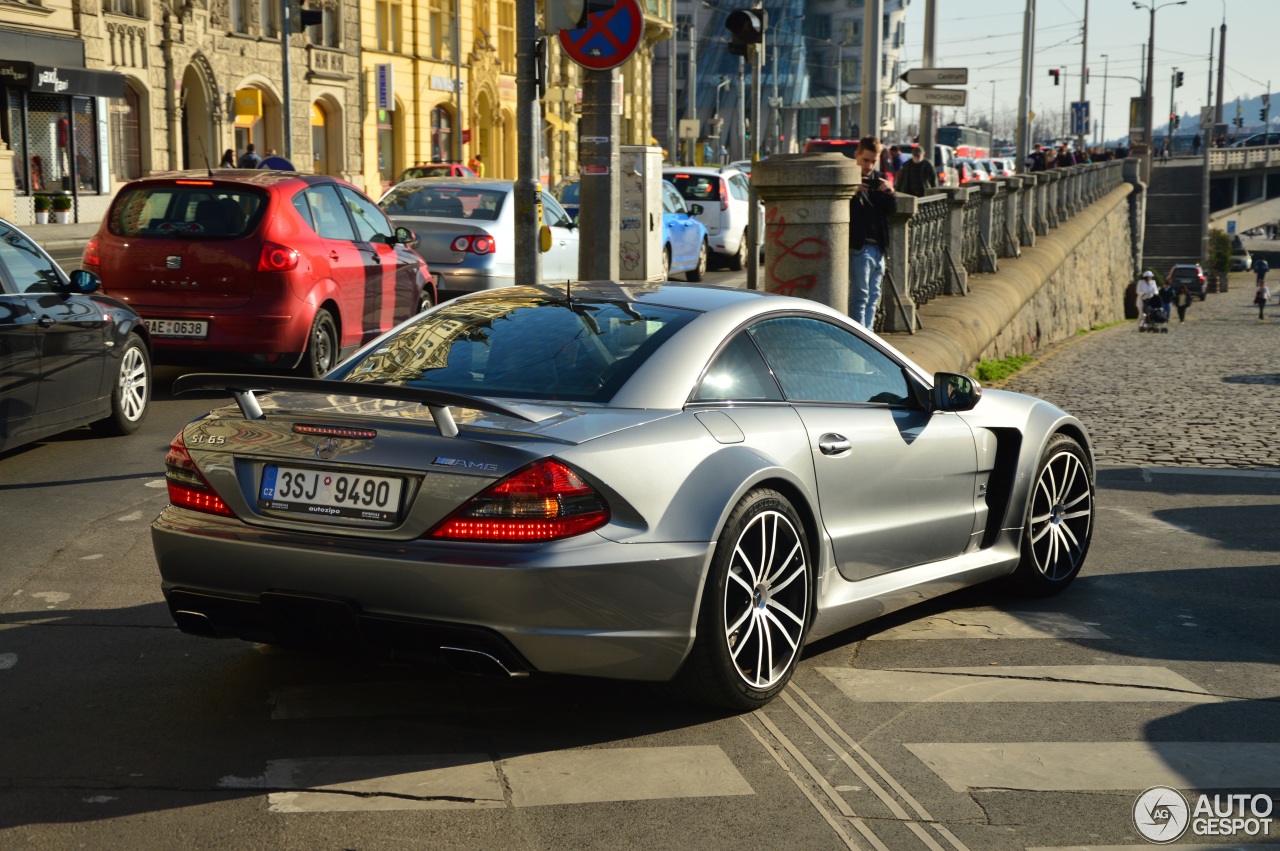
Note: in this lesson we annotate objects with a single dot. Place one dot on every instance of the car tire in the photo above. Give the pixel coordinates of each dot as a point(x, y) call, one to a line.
point(738, 261)
point(666, 263)
point(322, 346)
point(131, 391)
point(1058, 523)
point(425, 301)
point(756, 608)
point(697, 273)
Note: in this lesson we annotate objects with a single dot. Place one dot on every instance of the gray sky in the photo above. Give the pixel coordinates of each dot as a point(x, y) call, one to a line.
point(986, 38)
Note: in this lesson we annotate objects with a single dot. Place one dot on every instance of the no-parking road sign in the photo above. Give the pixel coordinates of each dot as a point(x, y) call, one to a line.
point(608, 39)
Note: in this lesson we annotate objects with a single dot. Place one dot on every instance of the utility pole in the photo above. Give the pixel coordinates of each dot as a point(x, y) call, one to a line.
point(691, 86)
point(1222, 64)
point(1063, 72)
point(528, 219)
point(286, 95)
point(1206, 135)
point(1106, 67)
point(745, 152)
point(457, 82)
point(928, 125)
point(1084, 77)
point(673, 140)
point(1024, 93)
point(1173, 85)
point(601, 189)
point(872, 51)
point(839, 130)
point(775, 102)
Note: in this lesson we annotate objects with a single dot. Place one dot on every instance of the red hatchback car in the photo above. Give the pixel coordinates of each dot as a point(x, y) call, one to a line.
point(264, 269)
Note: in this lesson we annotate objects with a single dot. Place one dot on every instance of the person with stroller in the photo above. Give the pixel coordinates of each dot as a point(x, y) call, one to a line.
point(1147, 291)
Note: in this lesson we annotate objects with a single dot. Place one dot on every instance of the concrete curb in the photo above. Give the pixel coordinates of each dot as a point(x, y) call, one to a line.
point(958, 329)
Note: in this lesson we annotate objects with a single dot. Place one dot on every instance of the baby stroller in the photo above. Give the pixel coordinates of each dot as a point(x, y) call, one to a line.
point(1155, 317)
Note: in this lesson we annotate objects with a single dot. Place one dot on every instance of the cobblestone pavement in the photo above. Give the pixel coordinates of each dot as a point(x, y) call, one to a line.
point(1206, 394)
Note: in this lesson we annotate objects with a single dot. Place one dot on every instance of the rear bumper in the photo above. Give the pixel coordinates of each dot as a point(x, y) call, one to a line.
point(265, 331)
point(579, 606)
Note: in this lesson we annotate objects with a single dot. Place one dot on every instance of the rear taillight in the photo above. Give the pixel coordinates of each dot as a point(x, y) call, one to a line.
point(91, 257)
point(187, 488)
point(477, 244)
point(277, 258)
point(724, 195)
point(541, 502)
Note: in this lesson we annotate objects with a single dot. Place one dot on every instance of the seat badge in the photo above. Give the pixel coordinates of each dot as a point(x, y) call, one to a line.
point(327, 448)
point(173, 261)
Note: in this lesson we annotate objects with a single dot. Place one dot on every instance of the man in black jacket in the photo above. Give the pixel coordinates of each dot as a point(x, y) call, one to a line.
point(868, 233)
point(916, 177)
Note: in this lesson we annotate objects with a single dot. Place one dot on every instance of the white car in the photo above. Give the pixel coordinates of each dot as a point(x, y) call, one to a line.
point(723, 195)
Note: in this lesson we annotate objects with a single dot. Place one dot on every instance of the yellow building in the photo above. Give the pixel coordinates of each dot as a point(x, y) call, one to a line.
point(414, 43)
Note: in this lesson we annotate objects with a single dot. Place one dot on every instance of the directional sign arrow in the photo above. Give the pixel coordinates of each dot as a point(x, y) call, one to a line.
point(935, 97)
point(936, 77)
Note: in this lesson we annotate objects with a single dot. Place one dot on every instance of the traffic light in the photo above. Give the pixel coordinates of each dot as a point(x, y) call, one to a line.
point(300, 18)
point(1173, 121)
point(1177, 80)
point(572, 14)
point(747, 27)
point(1262, 114)
point(1054, 72)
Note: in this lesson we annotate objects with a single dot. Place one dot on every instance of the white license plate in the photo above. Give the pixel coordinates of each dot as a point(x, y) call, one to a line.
point(178, 327)
point(327, 493)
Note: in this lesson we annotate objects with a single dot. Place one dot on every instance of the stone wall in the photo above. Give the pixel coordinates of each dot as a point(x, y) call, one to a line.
point(1073, 278)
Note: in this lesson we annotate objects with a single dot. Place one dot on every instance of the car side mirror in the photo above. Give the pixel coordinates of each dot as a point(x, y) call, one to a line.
point(695, 209)
point(406, 237)
point(85, 282)
point(955, 392)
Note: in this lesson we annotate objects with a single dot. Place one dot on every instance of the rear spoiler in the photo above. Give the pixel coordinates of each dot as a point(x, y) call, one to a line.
point(242, 387)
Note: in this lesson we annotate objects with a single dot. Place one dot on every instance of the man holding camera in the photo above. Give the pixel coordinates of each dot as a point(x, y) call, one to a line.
point(868, 233)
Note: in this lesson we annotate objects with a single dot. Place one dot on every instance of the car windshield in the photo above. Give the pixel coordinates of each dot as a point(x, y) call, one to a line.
point(187, 209)
point(532, 347)
point(569, 193)
point(446, 202)
point(696, 187)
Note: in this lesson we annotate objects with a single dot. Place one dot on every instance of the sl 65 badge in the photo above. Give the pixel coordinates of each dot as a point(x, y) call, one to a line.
point(209, 439)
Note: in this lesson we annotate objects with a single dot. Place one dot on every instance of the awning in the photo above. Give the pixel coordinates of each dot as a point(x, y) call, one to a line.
point(826, 102)
point(56, 80)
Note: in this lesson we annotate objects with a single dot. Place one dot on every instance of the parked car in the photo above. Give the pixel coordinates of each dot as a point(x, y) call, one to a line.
point(999, 166)
point(436, 170)
point(654, 483)
point(1257, 140)
point(1188, 275)
point(744, 166)
point(684, 239)
point(1241, 259)
point(466, 228)
point(566, 193)
point(970, 171)
point(69, 355)
point(270, 269)
point(722, 192)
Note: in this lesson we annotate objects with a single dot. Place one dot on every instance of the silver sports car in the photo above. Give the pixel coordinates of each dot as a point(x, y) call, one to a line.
point(664, 482)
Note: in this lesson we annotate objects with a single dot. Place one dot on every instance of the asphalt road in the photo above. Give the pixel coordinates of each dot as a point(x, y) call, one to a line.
point(975, 722)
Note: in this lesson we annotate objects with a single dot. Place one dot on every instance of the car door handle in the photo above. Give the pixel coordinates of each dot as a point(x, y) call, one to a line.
point(833, 444)
point(45, 321)
point(333, 255)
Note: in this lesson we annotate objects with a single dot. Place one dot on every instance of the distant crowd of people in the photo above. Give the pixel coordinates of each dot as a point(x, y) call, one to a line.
point(1043, 158)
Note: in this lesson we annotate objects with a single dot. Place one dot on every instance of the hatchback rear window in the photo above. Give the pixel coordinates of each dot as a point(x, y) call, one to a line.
point(522, 348)
point(849, 149)
point(696, 187)
point(196, 209)
point(444, 202)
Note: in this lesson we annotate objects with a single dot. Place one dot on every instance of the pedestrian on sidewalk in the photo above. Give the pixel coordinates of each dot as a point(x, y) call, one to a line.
point(1260, 268)
point(1147, 289)
point(868, 233)
point(1195, 145)
point(1166, 298)
point(1260, 297)
point(916, 177)
point(1182, 300)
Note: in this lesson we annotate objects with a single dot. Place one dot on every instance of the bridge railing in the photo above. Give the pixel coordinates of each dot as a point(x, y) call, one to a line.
point(937, 243)
point(1257, 157)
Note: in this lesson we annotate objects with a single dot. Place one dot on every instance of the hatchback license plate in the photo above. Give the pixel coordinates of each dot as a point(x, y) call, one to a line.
point(178, 327)
point(327, 493)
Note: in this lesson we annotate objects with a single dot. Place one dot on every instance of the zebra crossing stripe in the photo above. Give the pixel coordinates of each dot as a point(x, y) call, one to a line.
point(1018, 684)
point(992, 624)
point(1101, 766)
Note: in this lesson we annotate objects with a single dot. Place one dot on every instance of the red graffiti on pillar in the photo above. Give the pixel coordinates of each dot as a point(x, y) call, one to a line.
point(810, 248)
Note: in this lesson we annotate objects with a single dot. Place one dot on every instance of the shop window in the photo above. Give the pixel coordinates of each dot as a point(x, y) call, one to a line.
point(441, 135)
point(386, 146)
point(126, 136)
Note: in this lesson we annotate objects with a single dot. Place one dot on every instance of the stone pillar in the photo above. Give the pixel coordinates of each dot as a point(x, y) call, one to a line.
point(1030, 198)
point(1013, 197)
point(1137, 213)
point(899, 306)
point(1054, 179)
point(806, 235)
point(987, 249)
point(957, 275)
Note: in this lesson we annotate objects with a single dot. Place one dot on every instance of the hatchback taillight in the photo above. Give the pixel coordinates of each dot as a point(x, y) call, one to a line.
point(724, 194)
point(541, 502)
point(477, 244)
point(187, 487)
point(91, 257)
point(277, 258)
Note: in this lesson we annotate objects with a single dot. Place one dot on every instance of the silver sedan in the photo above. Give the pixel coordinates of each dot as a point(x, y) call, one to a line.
point(466, 231)
point(659, 482)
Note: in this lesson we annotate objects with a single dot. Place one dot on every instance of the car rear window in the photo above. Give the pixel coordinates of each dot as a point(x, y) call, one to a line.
point(696, 187)
point(196, 209)
point(850, 150)
point(426, 171)
point(569, 193)
point(522, 348)
point(445, 202)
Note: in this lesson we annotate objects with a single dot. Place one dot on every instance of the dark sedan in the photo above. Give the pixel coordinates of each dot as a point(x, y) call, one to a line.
point(69, 356)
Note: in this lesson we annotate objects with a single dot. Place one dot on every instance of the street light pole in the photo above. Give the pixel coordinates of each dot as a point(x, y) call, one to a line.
point(1084, 78)
point(1106, 65)
point(1173, 84)
point(1148, 98)
point(839, 92)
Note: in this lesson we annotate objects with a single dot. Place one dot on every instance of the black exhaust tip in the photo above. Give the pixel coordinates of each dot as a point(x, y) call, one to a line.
point(469, 661)
point(195, 623)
